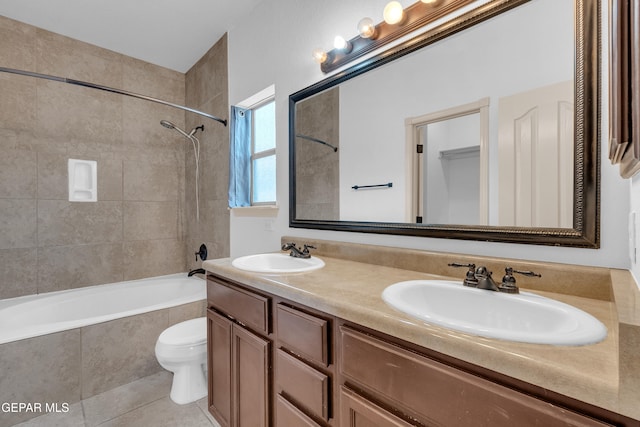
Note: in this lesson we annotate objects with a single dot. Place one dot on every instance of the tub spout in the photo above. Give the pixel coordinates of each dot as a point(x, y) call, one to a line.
point(196, 271)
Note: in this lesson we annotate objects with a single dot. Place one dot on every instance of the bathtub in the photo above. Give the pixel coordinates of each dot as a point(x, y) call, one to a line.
point(35, 315)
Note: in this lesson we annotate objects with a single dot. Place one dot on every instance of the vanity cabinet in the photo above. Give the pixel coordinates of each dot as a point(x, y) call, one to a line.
point(239, 355)
point(274, 362)
point(378, 374)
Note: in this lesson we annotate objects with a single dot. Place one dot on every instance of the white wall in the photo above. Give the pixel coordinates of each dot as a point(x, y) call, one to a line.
point(273, 46)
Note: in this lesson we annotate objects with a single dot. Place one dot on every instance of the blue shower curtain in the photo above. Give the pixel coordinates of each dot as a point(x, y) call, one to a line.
point(240, 157)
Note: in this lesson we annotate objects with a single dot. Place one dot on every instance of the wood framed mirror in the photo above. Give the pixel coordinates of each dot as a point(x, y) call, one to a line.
point(503, 51)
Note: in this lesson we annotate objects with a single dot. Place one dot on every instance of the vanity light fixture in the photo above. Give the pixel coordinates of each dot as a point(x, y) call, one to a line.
point(397, 22)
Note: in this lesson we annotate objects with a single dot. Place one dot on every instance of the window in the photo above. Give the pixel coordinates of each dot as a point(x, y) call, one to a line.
point(252, 151)
point(263, 154)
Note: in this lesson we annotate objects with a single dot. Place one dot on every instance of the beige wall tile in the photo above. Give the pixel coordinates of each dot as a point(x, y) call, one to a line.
point(64, 267)
point(78, 113)
point(142, 129)
point(18, 49)
point(187, 311)
point(18, 174)
point(150, 220)
point(17, 223)
point(152, 80)
point(120, 351)
point(17, 273)
point(49, 374)
point(148, 258)
point(18, 102)
point(150, 181)
point(62, 56)
point(62, 222)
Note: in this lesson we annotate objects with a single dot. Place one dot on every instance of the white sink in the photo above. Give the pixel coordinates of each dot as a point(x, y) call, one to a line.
point(277, 263)
point(523, 317)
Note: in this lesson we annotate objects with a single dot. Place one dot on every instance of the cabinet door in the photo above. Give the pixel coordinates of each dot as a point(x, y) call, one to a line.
point(250, 378)
point(219, 367)
point(356, 411)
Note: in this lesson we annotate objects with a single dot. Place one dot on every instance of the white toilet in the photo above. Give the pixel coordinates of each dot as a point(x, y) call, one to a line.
point(182, 349)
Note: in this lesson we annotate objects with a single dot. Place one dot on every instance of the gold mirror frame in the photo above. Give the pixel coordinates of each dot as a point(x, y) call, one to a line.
point(586, 223)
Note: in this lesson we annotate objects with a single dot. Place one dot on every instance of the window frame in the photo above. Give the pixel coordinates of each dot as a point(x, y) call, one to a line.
point(261, 154)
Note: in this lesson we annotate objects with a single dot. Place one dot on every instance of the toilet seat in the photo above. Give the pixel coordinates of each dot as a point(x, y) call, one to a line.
point(185, 334)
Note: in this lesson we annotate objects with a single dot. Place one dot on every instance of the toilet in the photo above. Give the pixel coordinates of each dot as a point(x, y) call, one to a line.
point(182, 349)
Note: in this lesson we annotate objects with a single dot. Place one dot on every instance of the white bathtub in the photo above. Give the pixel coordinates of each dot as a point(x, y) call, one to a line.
point(35, 315)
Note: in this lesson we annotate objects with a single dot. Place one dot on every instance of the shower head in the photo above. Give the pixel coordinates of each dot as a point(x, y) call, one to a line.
point(167, 124)
point(170, 125)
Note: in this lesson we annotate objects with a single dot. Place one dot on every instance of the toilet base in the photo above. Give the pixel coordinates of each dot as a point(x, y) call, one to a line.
point(189, 384)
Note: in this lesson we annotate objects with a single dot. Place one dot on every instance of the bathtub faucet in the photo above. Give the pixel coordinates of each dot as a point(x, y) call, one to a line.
point(196, 271)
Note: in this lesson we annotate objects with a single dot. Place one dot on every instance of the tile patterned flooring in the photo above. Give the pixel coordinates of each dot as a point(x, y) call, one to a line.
point(142, 403)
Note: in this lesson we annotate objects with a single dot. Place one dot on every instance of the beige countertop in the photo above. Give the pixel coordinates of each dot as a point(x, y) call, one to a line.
point(352, 291)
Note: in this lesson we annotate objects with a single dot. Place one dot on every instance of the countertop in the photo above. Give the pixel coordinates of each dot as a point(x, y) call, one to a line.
point(351, 290)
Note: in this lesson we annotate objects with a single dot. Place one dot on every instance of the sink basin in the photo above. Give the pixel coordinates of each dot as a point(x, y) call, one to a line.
point(277, 263)
point(523, 317)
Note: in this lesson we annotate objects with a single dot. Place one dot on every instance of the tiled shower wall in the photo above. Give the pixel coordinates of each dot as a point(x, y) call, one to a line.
point(207, 90)
point(137, 227)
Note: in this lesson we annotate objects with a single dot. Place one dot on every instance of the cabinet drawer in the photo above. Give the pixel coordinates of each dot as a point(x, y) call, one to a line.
point(288, 415)
point(356, 411)
point(246, 307)
point(303, 384)
point(436, 393)
point(303, 334)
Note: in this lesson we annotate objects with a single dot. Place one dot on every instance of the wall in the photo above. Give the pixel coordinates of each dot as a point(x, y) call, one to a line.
point(207, 90)
point(268, 48)
point(136, 228)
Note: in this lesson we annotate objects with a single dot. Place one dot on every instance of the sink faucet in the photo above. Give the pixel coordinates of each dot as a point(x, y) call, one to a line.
point(297, 252)
point(481, 278)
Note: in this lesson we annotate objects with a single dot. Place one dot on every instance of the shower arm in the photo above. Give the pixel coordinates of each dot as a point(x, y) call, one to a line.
point(108, 89)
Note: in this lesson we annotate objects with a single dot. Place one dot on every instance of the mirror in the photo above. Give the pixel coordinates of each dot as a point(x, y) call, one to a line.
point(485, 128)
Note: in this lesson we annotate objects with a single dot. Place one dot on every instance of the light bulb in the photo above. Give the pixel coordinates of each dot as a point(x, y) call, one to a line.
point(340, 43)
point(319, 55)
point(366, 28)
point(429, 1)
point(393, 13)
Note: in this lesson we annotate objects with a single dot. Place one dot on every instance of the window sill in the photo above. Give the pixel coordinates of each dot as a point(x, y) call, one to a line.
point(259, 211)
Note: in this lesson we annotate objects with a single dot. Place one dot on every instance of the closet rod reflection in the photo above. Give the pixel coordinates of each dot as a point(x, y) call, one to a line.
point(108, 89)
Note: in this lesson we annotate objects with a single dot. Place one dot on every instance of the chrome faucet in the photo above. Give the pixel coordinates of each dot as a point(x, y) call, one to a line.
point(481, 278)
point(297, 252)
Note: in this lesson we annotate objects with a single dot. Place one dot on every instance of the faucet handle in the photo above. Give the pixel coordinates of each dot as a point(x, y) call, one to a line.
point(306, 249)
point(470, 279)
point(508, 284)
point(288, 246)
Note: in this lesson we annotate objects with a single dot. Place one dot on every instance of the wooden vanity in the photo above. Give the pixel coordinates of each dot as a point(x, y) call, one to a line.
point(322, 349)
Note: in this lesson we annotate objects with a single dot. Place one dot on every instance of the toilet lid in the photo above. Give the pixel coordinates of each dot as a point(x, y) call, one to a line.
point(189, 332)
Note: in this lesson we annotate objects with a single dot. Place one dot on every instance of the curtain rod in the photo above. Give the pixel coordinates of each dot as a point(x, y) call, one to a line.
point(109, 89)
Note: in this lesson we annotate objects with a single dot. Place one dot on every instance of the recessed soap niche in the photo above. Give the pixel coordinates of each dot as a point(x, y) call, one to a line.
point(83, 180)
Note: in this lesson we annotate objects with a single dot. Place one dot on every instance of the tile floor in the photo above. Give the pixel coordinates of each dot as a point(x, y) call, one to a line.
point(142, 403)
